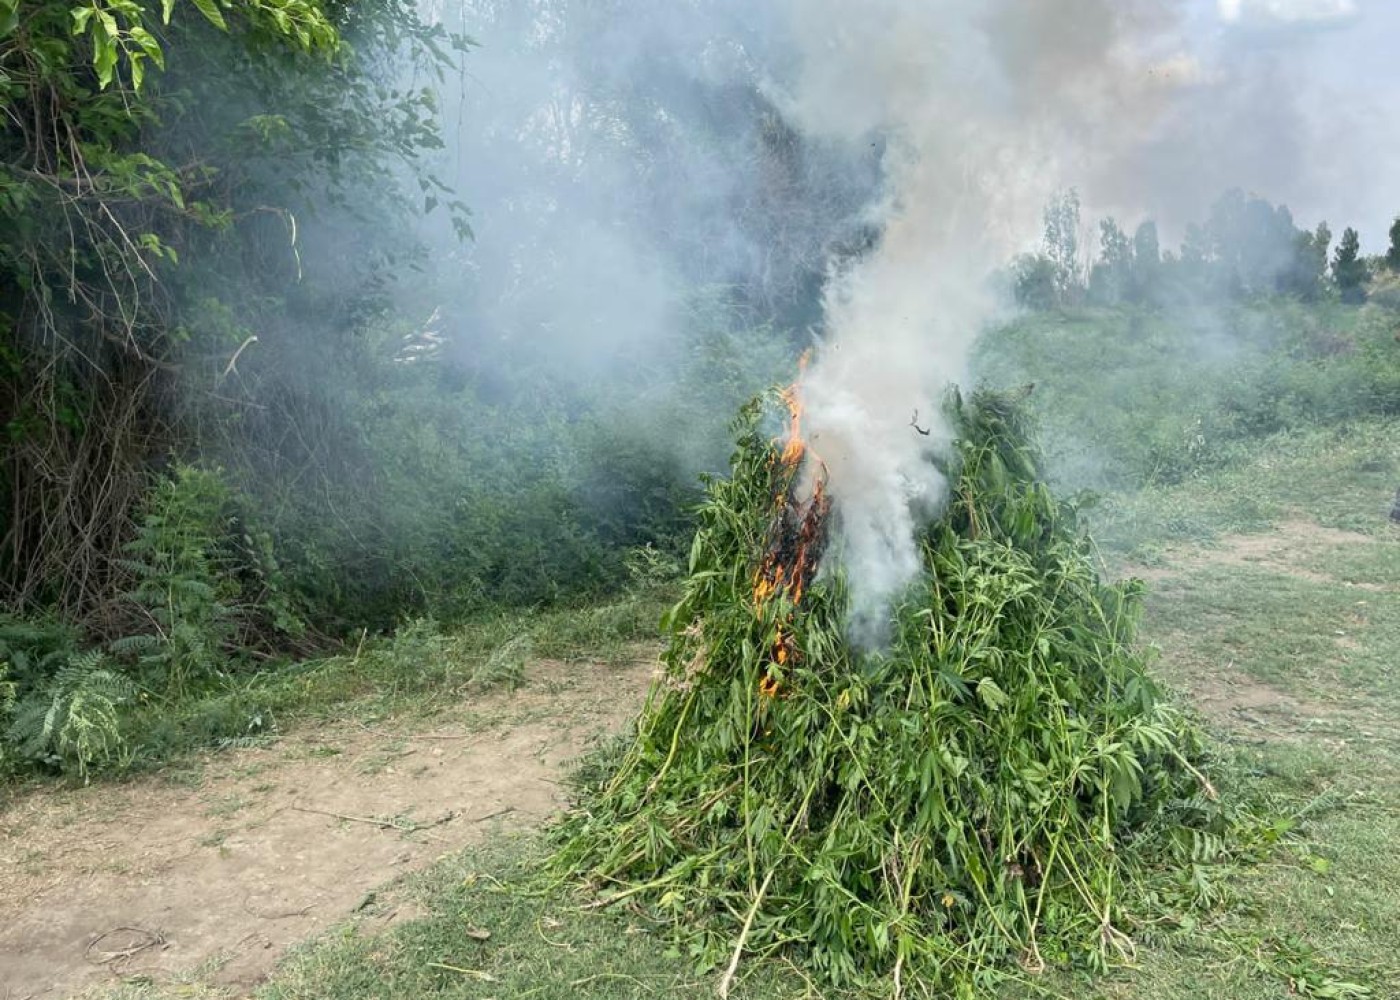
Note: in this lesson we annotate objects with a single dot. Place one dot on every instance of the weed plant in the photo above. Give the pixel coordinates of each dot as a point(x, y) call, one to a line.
point(1003, 788)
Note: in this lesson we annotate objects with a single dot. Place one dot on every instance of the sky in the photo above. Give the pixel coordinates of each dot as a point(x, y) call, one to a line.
point(1301, 103)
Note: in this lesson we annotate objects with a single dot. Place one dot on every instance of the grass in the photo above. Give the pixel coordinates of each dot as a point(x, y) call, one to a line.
point(1308, 627)
point(1338, 646)
point(1341, 477)
point(541, 945)
point(1131, 397)
point(414, 673)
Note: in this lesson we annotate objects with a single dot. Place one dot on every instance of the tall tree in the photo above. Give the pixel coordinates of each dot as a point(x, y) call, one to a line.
point(1307, 271)
point(1111, 277)
point(1253, 243)
point(1348, 269)
point(1061, 245)
point(1034, 281)
point(1392, 256)
point(1147, 262)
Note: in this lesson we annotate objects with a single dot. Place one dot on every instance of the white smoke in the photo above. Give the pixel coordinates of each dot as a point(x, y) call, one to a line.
point(1287, 10)
point(987, 110)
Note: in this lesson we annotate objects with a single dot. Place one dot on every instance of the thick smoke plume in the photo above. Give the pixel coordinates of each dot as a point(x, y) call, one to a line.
point(642, 175)
point(986, 111)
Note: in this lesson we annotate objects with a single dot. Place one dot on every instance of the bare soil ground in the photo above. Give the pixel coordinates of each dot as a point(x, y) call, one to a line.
point(1280, 550)
point(222, 867)
point(259, 848)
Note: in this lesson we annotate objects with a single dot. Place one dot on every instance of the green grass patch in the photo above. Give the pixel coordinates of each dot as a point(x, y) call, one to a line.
point(417, 670)
point(1318, 641)
point(483, 935)
point(1133, 397)
point(1341, 477)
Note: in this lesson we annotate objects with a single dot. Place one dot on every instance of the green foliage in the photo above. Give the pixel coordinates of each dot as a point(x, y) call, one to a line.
point(1392, 253)
point(1004, 783)
point(1111, 279)
point(1051, 278)
point(1128, 270)
point(59, 708)
point(1305, 273)
point(134, 204)
point(1061, 245)
point(1147, 263)
point(1247, 248)
point(1033, 281)
point(1128, 397)
point(1349, 269)
point(86, 214)
point(182, 584)
point(116, 31)
point(528, 496)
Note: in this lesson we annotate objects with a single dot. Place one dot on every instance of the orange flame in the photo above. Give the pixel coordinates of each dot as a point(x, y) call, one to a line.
point(796, 535)
point(795, 447)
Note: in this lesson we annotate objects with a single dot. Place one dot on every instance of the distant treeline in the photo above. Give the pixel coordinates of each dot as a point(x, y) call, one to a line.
point(1246, 248)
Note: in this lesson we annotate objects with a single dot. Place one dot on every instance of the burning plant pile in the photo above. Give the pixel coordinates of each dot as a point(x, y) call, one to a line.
point(989, 791)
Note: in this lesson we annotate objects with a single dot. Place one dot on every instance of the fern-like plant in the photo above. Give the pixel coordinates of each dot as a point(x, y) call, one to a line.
point(181, 584)
point(61, 708)
point(9, 691)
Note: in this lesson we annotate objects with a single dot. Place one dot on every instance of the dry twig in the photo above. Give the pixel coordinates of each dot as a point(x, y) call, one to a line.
point(151, 939)
point(384, 824)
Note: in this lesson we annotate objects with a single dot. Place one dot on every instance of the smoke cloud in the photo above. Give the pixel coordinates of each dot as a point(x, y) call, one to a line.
point(1287, 10)
point(986, 111)
point(880, 160)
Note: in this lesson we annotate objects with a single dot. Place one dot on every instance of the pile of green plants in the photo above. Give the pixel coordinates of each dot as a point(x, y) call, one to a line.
point(1002, 788)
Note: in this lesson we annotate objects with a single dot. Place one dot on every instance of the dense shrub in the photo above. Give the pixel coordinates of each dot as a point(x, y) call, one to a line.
point(58, 706)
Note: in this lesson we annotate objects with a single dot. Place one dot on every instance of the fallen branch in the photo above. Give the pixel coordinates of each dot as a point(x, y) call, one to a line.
point(492, 815)
point(232, 365)
point(484, 977)
point(1195, 772)
point(275, 916)
point(383, 824)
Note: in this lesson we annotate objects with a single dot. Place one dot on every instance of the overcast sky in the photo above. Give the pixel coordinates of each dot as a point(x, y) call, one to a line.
point(1302, 106)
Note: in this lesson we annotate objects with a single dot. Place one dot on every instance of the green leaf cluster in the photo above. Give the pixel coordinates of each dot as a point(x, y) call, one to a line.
point(59, 708)
point(996, 790)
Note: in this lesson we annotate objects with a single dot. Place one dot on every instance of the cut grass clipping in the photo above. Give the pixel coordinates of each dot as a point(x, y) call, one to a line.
point(1001, 788)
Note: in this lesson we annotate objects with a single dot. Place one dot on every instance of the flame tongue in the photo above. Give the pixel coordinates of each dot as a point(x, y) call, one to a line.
point(795, 447)
point(795, 537)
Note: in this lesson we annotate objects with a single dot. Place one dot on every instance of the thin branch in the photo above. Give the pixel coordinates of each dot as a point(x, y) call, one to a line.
point(728, 980)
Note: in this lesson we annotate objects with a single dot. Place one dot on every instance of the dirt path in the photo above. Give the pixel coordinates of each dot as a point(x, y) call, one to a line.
point(227, 869)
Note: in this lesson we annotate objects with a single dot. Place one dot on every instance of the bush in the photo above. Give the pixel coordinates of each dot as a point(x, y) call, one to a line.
point(59, 708)
point(430, 489)
point(184, 585)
